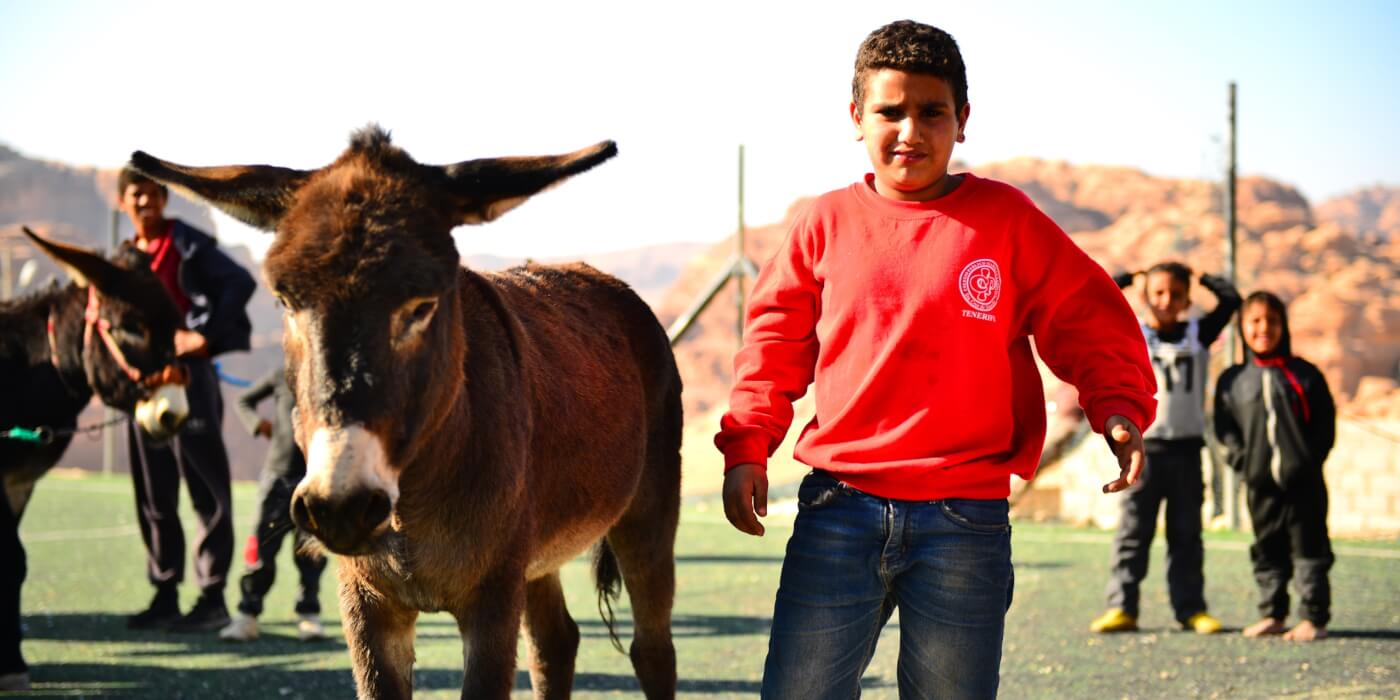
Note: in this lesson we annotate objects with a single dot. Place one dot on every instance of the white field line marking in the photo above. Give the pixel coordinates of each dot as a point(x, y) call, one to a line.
point(79, 485)
point(99, 533)
point(88, 534)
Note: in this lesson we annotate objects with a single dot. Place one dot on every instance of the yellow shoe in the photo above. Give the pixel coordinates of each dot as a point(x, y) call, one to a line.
point(1202, 623)
point(1115, 620)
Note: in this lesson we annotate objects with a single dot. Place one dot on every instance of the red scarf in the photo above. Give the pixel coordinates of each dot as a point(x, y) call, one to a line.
point(165, 262)
point(1279, 362)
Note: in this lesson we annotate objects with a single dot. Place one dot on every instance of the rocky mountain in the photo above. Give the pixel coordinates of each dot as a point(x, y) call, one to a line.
point(1371, 212)
point(73, 204)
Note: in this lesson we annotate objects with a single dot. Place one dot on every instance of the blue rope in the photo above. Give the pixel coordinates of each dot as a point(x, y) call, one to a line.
point(230, 379)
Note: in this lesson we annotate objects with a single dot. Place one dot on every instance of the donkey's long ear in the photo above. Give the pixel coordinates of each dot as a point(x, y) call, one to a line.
point(257, 195)
point(83, 265)
point(490, 187)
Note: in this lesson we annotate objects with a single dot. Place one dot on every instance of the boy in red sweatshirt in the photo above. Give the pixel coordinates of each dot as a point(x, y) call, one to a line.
point(908, 301)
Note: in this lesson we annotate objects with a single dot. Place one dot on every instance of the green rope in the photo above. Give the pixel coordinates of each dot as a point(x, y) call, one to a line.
point(38, 435)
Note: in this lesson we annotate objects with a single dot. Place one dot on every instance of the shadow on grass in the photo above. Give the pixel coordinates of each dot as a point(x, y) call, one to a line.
point(124, 679)
point(106, 627)
point(1362, 634)
point(284, 680)
point(682, 626)
point(613, 682)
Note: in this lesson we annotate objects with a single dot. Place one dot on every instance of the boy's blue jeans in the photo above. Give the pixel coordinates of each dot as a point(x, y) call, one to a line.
point(853, 558)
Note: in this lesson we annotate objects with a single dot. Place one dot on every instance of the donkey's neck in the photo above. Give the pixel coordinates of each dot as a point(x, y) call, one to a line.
point(25, 344)
point(474, 453)
point(437, 467)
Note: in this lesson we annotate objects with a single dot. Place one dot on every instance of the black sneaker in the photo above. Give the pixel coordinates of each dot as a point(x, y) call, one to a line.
point(163, 610)
point(209, 613)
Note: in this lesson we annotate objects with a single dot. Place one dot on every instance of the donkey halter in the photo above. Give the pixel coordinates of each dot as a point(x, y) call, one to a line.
point(173, 373)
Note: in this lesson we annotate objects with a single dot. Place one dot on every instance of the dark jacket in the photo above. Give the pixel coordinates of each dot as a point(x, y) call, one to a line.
point(218, 289)
point(283, 450)
point(1300, 408)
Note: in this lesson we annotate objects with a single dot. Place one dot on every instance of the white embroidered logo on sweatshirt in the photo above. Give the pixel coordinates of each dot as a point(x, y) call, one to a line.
point(980, 285)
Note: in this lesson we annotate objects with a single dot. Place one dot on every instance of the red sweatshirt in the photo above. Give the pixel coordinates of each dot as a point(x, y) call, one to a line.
point(912, 320)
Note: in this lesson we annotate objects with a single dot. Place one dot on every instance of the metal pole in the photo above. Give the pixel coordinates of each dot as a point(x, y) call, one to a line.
point(738, 267)
point(1232, 339)
point(7, 261)
point(737, 270)
point(686, 319)
point(1230, 209)
point(109, 432)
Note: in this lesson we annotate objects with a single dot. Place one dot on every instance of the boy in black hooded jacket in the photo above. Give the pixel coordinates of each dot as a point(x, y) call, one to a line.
point(1276, 418)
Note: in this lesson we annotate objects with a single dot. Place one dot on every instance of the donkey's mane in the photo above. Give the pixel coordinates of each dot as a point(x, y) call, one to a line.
point(370, 138)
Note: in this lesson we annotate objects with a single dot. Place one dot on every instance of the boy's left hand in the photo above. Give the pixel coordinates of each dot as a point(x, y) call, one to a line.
point(1125, 440)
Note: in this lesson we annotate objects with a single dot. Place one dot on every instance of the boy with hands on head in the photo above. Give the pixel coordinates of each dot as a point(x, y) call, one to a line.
point(907, 300)
point(1179, 350)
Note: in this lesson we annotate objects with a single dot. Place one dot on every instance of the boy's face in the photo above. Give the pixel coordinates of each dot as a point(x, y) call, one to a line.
point(909, 123)
point(1167, 297)
point(144, 202)
point(1263, 327)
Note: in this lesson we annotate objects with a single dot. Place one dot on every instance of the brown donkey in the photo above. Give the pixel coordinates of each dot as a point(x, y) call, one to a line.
point(466, 434)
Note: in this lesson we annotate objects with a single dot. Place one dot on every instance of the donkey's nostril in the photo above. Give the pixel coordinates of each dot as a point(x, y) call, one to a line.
point(170, 420)
point(345, 525)
point(301, 514)
point(376, 510)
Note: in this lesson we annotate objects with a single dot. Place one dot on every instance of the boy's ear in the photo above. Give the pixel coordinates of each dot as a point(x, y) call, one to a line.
point(855, 119)
point(962, 121)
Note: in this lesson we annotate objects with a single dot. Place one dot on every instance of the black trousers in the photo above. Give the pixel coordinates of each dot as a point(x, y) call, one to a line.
point(1174, 476)
point(279, 479)
point(1290, 534)
point(12, 572)
point(196, 455)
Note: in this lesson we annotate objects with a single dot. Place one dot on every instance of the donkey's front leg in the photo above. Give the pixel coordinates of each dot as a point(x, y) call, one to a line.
point(490, 626)
point(379, 633)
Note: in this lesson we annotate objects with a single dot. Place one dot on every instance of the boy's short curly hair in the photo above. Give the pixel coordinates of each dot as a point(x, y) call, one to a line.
point(129, 176)
point(911, 47)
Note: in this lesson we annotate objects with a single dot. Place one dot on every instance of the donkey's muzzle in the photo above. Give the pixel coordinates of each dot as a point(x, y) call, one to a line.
point(164, 412)
point(346, 525)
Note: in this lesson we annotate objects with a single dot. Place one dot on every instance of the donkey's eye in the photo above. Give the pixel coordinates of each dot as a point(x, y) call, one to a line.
point(422, 311)
point(279, 295)
point(412, 318)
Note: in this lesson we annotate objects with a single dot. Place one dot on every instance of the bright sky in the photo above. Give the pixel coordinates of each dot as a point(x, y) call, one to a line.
point(1139, 84)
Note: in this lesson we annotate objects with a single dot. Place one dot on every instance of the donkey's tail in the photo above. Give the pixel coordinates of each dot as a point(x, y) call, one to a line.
point(609, 581)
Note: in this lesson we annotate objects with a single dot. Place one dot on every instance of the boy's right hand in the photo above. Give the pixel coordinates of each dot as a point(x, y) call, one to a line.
point(190, 344)
point(1125, 440)
point(746, 494)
